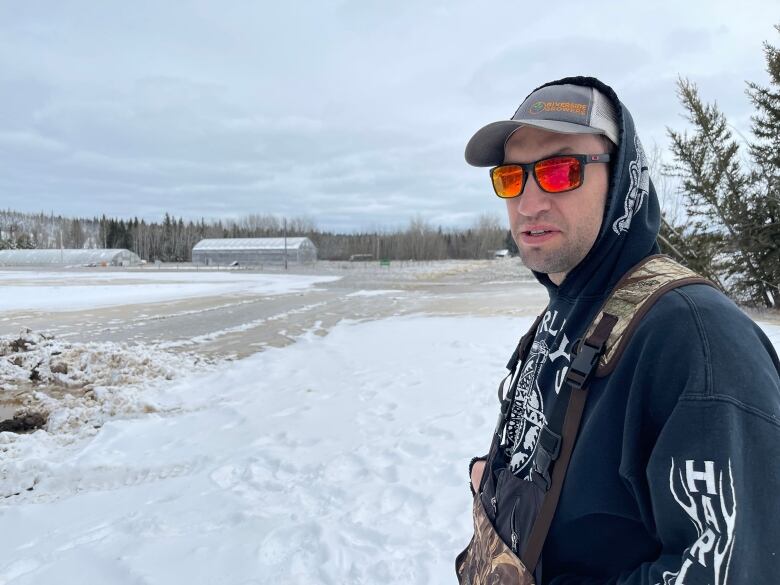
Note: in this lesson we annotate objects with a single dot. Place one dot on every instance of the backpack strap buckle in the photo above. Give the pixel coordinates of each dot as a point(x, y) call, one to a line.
point(548, 450)
point(584, 364)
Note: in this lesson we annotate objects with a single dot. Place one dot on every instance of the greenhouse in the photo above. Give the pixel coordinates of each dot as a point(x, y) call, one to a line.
point(254, 251)
point(77, 257)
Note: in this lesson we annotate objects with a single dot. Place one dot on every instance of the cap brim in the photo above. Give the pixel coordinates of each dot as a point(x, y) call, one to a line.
point(486, 147)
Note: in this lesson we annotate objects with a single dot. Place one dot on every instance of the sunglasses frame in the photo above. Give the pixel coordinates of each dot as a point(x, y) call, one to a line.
point(530, 169)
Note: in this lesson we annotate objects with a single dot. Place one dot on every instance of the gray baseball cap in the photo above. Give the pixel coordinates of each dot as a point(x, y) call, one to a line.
point(566, 108)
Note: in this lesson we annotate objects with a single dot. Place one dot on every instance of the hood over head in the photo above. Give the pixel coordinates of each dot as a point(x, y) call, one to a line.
point(631, 216)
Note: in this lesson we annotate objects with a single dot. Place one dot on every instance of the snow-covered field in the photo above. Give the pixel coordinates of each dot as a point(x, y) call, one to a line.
point(68, 291)
point(336, 460)
point(340, 459)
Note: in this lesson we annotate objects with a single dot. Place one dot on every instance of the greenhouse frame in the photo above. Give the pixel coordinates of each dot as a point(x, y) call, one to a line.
point(254, 251)
point(70, 257)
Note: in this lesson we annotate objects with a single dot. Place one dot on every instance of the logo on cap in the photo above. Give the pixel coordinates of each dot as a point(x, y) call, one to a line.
point(570, 107)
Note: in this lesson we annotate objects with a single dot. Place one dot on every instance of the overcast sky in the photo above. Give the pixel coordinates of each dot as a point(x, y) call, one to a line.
point(353, 113)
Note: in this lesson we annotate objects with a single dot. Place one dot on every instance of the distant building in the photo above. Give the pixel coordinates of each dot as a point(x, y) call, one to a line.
point(254, 251)
point(70, 257)
point(361, 257)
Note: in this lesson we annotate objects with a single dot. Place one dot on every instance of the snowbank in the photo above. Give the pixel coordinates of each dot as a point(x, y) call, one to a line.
point(79, 386)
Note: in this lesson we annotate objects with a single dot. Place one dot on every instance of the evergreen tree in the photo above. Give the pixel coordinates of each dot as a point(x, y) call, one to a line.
point(76, 234)
point(765, 150)
point(732, 207)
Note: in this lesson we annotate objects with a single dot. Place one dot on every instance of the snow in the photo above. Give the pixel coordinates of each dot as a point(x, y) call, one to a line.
point(70, 291)
point(205, 338)
point(773, 333)
point(374, 293)
point(338, 459)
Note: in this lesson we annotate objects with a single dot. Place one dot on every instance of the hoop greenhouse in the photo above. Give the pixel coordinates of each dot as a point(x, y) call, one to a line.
point(254, 251)
point(70, 257)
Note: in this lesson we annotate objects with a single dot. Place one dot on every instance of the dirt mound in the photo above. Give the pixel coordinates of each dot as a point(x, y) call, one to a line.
point(53, 384)
point(23, 423)
point(46, 361)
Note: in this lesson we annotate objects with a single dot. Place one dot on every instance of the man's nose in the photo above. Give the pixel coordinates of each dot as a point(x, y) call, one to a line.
point(532, 202)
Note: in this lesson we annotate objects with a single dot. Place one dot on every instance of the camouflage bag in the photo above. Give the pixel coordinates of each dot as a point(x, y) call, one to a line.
point(487, 560)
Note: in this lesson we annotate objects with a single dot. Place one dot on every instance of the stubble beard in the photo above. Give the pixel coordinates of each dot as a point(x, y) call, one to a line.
point(558, 260)
point(552, 262)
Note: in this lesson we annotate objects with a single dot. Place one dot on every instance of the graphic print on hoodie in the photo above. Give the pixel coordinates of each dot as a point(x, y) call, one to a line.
point(527, 418)
point(665, 469)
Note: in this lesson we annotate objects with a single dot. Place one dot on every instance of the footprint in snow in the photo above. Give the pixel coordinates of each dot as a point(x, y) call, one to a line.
point(437, 432)
point(345, 467)
point(414, 449)
point(300, 542)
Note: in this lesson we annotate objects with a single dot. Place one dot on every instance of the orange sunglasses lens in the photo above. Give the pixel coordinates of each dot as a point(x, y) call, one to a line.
point(559, 174)
point(508, 180)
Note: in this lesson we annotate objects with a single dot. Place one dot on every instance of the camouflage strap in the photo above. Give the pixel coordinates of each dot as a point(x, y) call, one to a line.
point(633, 296)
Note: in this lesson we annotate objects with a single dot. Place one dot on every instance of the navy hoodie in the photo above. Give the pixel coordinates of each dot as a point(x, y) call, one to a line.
point(675, 475)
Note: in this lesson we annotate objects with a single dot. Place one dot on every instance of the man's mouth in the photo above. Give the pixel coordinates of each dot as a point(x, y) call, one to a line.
point(538, 234)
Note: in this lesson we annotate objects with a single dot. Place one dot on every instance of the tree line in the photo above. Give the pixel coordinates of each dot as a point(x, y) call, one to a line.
point(172, 239)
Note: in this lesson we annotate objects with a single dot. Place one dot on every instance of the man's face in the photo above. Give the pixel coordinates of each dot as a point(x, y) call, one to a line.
point(572, 219)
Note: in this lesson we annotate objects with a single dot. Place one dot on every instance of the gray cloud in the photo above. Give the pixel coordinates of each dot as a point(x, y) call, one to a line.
point(353, 113)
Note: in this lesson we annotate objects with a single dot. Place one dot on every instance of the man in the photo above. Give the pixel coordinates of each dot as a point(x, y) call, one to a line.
point(675, 473)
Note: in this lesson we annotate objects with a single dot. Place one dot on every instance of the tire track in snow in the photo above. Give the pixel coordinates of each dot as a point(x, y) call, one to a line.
point(48, 484)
